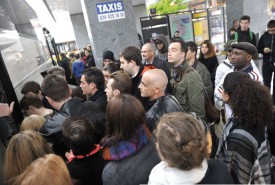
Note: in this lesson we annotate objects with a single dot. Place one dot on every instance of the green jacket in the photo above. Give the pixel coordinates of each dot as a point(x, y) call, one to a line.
point(188, 90)
point(206, 78)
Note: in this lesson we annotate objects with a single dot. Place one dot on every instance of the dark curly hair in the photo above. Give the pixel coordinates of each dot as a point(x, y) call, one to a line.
point(250, 102)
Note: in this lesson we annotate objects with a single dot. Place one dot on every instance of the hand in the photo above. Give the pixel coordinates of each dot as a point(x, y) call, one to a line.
point(267, 50)
point(5, 109)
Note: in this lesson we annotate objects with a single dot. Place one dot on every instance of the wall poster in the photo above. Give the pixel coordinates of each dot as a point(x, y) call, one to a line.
point(201, 31)
point(216, 23)
point(183, 24)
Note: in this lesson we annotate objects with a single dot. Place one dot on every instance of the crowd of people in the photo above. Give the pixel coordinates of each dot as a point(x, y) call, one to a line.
point(149, 116)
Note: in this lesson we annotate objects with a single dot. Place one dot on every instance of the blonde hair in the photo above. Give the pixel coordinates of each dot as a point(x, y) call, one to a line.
point(47, 170)
point(22, 150)
point(181, 141)
point(33, 122)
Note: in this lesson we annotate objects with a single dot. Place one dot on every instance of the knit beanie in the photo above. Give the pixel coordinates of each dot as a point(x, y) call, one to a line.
point(108, 55)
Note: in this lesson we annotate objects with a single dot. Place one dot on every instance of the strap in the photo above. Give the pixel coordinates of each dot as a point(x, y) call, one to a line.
point(206, 94)
point(250, 34)
point(236, 36)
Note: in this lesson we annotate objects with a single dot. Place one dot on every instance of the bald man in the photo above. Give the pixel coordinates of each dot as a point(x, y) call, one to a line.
point(152, 86)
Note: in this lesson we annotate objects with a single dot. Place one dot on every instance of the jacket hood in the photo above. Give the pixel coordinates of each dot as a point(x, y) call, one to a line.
point(164, 40)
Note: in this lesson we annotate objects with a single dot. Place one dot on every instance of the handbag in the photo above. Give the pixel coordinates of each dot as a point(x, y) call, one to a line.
point(211, 112)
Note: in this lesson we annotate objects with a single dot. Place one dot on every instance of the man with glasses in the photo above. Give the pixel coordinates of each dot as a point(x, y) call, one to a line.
point(266, 47)
point(149, 57)
point(30, 104)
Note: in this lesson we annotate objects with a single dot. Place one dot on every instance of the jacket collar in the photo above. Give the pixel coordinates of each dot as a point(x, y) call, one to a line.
point(179, 71)
point(248, 69)
point(97, 94)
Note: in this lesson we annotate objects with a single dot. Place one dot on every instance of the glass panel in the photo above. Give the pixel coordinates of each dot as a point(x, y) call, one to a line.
point(22, 52)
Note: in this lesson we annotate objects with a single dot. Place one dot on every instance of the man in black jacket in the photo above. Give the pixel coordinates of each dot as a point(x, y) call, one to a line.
point(90, 59)
point(266, 46)
point(65, 64)
point(152, 86)
point(58, 93)
point(92, 83)
point(243, 33)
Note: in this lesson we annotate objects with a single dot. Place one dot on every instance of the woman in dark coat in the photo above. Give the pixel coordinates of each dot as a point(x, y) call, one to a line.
point(208, 58)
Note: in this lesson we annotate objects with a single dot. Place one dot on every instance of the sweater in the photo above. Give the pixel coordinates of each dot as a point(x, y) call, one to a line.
point(133, 170)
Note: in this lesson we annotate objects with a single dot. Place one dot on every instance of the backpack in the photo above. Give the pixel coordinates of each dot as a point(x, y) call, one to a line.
point(237, 36)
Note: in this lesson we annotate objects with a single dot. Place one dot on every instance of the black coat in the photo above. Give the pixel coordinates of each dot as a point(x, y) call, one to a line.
point(135, 90)
point(244, 36)
point(75, 107)
point(87, 170)
point(65, 64)
point(217, 173)
point(211, 64)
point(100, 98)
point(265, 41)
point(90, 61)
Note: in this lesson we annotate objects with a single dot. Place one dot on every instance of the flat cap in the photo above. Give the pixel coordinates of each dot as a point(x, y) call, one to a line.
point(248, 47)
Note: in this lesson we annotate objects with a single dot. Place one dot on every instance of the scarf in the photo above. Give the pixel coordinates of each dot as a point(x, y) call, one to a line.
point(71, 156)
point(128, 148)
